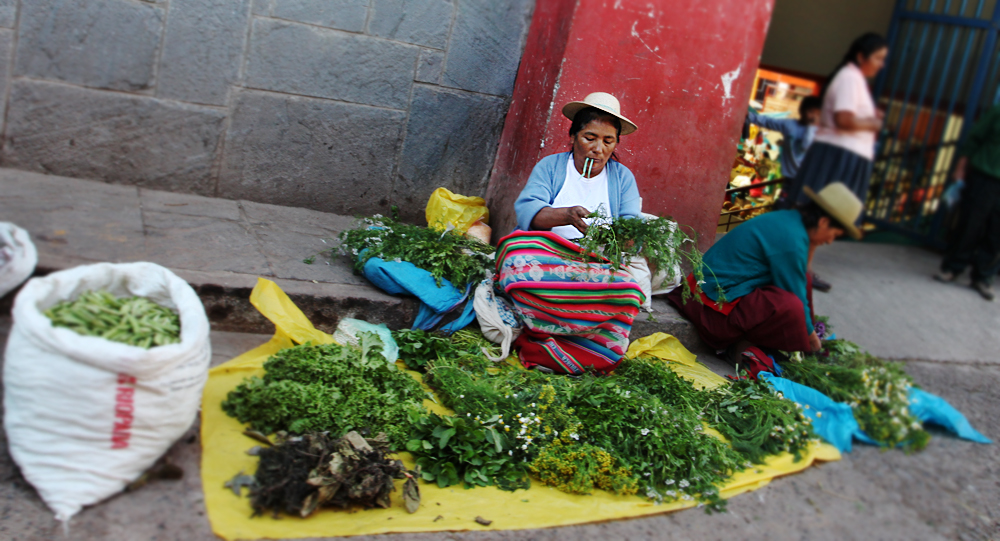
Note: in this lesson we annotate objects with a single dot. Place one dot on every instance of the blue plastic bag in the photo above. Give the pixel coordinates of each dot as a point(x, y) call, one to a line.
point(404, 278)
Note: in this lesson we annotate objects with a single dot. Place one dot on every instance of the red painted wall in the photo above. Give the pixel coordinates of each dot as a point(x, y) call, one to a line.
point(682, 71)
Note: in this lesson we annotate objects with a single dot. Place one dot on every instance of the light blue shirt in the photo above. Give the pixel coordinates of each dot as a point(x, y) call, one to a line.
point(796, 141)
point(547, 179)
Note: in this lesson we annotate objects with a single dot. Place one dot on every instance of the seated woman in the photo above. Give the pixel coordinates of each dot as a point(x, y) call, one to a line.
point(761, 268)
point(575, 314)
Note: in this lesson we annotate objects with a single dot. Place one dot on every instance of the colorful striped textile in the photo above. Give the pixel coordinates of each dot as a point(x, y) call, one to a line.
point(575, 314)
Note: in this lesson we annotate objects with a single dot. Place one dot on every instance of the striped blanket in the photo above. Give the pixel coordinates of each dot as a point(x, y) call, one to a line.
point(575, 314)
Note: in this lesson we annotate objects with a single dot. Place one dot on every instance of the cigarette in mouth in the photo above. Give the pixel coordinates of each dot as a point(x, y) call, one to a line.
point(588, 167)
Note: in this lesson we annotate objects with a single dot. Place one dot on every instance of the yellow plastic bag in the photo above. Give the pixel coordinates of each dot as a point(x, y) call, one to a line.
point(443, 509)
point(461, 211)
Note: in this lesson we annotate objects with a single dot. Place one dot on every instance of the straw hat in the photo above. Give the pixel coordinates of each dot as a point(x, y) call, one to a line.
point(839, 202)
point(603, 101)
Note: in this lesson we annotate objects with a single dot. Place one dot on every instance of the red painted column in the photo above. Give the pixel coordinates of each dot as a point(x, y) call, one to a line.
point(682, 71)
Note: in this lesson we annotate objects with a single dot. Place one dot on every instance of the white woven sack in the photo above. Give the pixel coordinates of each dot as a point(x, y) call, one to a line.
point(86, 416)
point(496, 320)
point(18, 257)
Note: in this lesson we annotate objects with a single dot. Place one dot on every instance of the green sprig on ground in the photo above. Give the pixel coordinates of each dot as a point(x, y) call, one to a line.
point(664, 244)
point(447, 256)
point(877, 391)
point(329, 388)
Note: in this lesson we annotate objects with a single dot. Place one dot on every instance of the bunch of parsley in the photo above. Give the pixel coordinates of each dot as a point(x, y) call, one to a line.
point(447, 256)
point(329, 388)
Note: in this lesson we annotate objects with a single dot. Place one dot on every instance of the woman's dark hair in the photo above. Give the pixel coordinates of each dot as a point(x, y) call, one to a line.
point(589, 114)
point(811, 213)
point(865, 45)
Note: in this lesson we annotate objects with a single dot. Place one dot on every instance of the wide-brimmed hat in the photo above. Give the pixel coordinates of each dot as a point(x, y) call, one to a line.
point(839, 202)
point(603, 101)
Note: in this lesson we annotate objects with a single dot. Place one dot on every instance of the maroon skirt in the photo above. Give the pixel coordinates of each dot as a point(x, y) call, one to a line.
point(768, 317)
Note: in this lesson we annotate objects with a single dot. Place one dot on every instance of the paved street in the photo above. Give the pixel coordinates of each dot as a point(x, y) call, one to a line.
point(883, 298)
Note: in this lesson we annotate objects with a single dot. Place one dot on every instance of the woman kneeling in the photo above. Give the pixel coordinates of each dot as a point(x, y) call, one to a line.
point(761, 268)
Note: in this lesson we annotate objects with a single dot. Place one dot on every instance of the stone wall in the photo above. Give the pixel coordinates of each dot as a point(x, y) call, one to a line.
point(345, 106)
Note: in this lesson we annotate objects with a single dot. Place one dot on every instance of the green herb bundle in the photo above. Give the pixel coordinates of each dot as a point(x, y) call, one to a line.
point(447, 256)
point(580, 434)
point(329, 388)
point(452, 450)
point(136, 321)
point(877, 391)
point(419, 349)
point(759, 422)
point(663, 243)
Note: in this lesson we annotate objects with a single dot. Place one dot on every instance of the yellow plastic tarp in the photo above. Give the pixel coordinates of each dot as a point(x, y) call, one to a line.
point(224, 455)
point(461, 211)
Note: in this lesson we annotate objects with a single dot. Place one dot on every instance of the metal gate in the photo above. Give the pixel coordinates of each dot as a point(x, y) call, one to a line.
point(942, 73)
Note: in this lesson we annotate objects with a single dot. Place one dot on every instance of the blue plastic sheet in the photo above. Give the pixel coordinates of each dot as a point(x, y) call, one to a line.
point(933, 409)
point(832, 421)
point(404, 278)
point(835, 423)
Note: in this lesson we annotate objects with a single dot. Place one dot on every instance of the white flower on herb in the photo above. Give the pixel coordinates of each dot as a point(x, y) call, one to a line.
point(461, 396)
point(684, 483)
point(644, 431)
point(511, 453)
point(668, 482)
point(575, 436)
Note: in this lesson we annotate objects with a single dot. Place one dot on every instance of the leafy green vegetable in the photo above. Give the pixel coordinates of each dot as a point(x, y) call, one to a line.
point(634, 440)
point(759, 422)
point(450, 255)
point(136, 321)
point(877, 390)
point(419, 349)
point(329, 388)
point(661, 241)
point(452, 450)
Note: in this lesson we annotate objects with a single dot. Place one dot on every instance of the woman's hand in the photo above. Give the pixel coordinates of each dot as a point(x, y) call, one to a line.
point(959, 173)
point(550, 217)
point(848, 121)
point(814, 344)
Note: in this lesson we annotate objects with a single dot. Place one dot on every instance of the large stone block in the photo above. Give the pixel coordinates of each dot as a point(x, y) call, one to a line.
point(8, 13)
point(430, 66)
point(306, 60)
point(112, 137)
point(202, 49)
point(318, 154)
point(347, 15)
point(422, 22)
point(99, 43)
point(486, 45)
point(451, 139)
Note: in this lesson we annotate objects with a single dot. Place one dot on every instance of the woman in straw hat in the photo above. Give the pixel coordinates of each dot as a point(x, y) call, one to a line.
point(760, 267)
point(574, 315)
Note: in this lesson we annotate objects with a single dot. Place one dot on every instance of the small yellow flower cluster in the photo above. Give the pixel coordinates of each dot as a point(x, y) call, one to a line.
point(579, 468)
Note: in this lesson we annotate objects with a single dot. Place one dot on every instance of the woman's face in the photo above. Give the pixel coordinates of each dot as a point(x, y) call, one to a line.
point(825, 232)
point(872, 64)
point(596, 140)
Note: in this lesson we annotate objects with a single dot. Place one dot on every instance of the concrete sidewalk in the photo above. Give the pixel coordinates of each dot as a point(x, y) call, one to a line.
point(884, 299)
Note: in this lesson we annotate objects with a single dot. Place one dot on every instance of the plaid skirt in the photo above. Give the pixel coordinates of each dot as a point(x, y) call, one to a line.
point(575, 314)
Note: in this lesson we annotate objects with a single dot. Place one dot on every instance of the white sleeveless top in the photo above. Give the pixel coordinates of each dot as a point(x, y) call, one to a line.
point(588, 193)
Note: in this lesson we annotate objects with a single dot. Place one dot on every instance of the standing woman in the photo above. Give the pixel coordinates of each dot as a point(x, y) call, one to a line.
point(844, 146)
